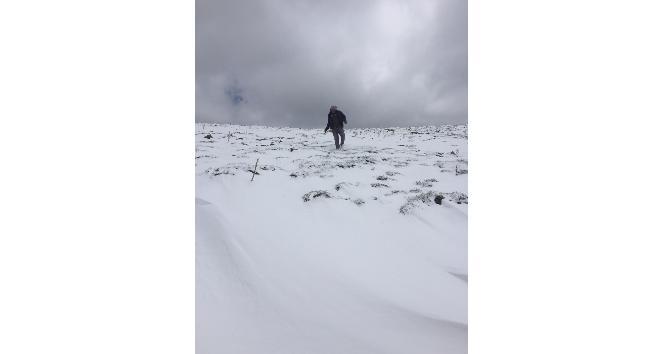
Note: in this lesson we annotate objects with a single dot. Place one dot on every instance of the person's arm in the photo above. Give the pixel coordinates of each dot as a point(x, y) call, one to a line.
point(328, 123)
point(344, 117)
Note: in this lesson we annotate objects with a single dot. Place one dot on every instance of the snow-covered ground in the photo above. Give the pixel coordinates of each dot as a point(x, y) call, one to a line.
point(360, 250)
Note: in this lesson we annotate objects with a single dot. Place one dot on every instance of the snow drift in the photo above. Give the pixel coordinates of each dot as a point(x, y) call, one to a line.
point(359, 250)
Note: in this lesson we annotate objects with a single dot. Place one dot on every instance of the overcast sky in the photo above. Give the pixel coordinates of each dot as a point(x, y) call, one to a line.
point(283, 63)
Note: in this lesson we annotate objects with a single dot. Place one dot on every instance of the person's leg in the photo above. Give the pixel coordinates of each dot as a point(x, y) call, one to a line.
point(336, 138)
point(343, 136)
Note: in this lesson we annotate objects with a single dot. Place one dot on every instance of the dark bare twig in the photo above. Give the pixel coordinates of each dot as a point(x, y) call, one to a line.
point(254, 171)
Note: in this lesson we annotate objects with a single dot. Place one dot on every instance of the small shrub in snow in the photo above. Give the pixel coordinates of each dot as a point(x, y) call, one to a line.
point(218, 171)
point(315, 194)
point(358, 202)
point(427, 182)
point(406, 208)
point(461, 170)
point(379, 185)
point(209, 136)
point(459, 198)
point(346, 165)
point(344, 185)
point(410, 204)
point(432, 197)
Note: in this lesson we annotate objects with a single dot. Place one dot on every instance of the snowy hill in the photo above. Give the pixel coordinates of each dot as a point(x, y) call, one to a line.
point(360, 250)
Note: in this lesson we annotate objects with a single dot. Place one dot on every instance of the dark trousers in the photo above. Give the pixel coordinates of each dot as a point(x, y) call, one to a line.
point(338, 132)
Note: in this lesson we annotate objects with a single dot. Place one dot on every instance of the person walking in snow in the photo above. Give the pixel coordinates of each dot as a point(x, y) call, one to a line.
point(335, 122)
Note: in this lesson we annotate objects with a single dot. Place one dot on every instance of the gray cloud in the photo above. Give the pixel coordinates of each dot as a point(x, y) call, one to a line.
point(283, 63)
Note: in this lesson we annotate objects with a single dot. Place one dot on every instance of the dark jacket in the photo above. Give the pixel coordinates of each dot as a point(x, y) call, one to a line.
point(336, 120)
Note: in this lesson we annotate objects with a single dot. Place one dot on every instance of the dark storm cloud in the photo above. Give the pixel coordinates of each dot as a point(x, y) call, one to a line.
point(383, 62)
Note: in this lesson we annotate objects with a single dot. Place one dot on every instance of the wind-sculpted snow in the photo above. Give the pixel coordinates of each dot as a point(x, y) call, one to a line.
point(358, 250)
